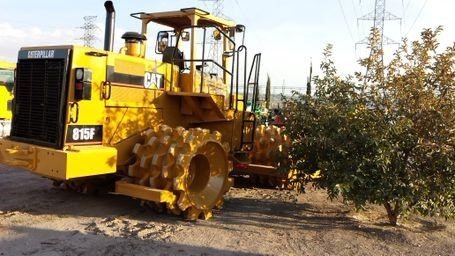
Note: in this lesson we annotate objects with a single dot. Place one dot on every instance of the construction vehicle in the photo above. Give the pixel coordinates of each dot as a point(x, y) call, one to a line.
point(6, 96)
point(166, 131)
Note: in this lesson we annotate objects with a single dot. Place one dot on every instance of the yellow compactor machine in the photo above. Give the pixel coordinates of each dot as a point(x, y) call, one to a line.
point(166, 130)
point(6, 96)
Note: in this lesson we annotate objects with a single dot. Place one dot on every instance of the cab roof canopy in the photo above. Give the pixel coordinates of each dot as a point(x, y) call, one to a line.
point(184, 18)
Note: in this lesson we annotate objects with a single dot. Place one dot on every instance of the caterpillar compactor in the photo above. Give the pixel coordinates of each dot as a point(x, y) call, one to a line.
point(6, 96)
point(165, 130)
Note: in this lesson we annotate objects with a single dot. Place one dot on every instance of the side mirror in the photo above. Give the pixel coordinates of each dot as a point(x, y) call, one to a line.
point(239, 28)
point(162, 41)
point(185, 36)
point(216, 35)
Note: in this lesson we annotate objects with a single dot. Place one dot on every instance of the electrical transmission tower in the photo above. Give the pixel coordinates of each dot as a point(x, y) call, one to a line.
point(89, 28)
point(378, 16)
point(214, 51)
point(217, 8)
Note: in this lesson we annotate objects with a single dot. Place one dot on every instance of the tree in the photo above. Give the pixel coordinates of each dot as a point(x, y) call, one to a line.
point(385, 136)
point(267, 92)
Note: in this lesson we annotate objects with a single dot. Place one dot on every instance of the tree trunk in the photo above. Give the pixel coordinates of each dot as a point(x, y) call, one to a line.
point(392, 214)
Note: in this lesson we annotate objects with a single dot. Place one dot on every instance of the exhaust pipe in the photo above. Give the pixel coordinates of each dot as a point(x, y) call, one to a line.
point(110, 26)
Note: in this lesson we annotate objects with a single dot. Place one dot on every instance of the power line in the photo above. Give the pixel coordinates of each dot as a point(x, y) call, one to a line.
point(345, 20)
point(417, 17)
point(354, 8)
point(405, 9)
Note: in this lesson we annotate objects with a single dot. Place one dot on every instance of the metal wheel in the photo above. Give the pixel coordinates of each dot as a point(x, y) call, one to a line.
point(271, 147)
point(193, 164)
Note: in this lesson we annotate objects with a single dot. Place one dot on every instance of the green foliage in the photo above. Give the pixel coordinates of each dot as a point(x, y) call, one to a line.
point(386, 136)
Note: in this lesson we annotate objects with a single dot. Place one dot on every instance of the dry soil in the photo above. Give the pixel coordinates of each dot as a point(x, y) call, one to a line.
point(39, 219)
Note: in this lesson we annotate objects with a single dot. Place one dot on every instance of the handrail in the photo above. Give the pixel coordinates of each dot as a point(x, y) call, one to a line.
point(256, 65)
point(203, 60)
point(245, 88)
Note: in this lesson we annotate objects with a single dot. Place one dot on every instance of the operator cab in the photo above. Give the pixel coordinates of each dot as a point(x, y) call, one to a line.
point(199, 44)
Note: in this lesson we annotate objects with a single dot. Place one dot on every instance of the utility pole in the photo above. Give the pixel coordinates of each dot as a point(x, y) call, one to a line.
point(308, 82)
point(89, 28)
point(378, 16)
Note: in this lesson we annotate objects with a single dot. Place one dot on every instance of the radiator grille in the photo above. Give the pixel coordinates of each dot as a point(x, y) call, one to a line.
point(38, 97)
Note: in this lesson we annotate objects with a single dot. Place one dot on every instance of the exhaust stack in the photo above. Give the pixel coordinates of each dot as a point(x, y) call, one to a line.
point(110, 26)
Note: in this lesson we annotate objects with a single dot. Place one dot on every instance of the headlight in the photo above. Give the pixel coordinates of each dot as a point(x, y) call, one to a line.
point(79, 74)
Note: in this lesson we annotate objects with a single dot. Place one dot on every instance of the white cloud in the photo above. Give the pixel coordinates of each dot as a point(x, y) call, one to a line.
point(16, 37)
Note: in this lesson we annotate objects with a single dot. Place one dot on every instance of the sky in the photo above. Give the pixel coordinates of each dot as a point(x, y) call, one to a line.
point(290, 34)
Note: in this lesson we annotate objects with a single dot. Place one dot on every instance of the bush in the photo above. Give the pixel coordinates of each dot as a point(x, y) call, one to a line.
point(385, 136)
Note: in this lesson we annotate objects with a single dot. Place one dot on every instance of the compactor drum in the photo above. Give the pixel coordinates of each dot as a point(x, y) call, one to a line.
point(191, 164)
point(166, 131)
point(270, 158)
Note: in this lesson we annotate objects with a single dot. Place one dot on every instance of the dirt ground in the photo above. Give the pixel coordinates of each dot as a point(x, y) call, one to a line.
point(39, 219)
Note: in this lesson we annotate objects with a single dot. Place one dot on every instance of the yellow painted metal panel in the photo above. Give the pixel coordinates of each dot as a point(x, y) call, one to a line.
point(5, 99)
point(146, 193)
point(6, 95)
point(127, 96)
point(129, 65)
point(7, 65)
point(91, 112)
point(90, 160)
point(122, 123)
point(80, 161)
